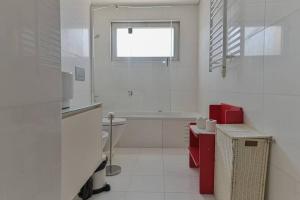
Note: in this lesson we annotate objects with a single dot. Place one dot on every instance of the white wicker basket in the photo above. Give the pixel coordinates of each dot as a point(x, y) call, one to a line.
point(241, 163)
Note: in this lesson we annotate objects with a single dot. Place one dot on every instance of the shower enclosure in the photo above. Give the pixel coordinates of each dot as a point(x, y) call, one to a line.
point(133, 50)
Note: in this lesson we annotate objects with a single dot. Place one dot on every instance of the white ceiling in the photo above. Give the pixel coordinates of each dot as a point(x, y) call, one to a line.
point(145, 2)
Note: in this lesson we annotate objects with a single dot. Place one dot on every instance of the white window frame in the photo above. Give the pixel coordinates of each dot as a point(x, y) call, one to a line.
point(154, 24)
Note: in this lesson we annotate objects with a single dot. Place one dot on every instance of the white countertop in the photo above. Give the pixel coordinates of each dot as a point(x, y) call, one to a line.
point(198, 131)
point(78, 109)
point(241, 131)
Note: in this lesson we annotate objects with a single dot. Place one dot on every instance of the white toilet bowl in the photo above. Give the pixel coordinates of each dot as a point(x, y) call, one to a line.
point(119, 126)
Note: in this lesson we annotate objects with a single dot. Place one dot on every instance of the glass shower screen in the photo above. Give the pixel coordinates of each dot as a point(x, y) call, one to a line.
point(132, 60)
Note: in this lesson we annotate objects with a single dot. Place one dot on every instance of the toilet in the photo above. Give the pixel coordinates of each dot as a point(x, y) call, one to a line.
point(119, 126)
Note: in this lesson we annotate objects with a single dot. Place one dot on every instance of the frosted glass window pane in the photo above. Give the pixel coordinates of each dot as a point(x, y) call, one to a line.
point(145, 42)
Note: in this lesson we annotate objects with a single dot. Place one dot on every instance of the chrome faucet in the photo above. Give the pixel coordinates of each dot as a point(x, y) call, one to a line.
point(130, 93)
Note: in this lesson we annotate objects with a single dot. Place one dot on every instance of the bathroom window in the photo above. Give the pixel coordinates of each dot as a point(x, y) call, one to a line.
point(145, 41)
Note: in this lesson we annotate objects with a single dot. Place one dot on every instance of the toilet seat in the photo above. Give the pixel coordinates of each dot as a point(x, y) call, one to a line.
point(115, 122)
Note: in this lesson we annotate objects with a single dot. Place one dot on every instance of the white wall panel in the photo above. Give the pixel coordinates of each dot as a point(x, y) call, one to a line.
point(75, 28)
point(263, 81)
point(30, 82)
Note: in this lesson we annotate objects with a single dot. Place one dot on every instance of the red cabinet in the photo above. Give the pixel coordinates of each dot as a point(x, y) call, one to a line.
point(202, 144)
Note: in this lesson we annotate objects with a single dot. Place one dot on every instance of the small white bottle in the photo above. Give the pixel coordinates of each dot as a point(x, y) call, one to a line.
point(211, 125)
point(201, 122)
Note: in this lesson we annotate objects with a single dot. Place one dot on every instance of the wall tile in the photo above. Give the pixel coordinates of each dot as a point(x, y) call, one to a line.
point(281, 58)
point(183, 101)
point(279, 9)
point(75, 44)
point(282, 121)
point(281, 185)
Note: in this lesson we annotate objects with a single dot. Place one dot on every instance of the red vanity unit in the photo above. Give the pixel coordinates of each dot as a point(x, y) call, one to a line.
point(202, 144)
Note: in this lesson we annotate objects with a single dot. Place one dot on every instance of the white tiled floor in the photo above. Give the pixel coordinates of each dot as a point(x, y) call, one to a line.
point(153, 174)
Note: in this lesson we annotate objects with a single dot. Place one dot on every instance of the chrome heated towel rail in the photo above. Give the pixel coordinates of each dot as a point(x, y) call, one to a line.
point(224, 41)
point(218, 35)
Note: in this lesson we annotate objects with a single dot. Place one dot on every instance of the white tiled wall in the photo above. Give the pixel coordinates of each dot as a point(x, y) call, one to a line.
point(264, 81)
point(156, 87)
point(30, 82)
point(75, 28)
